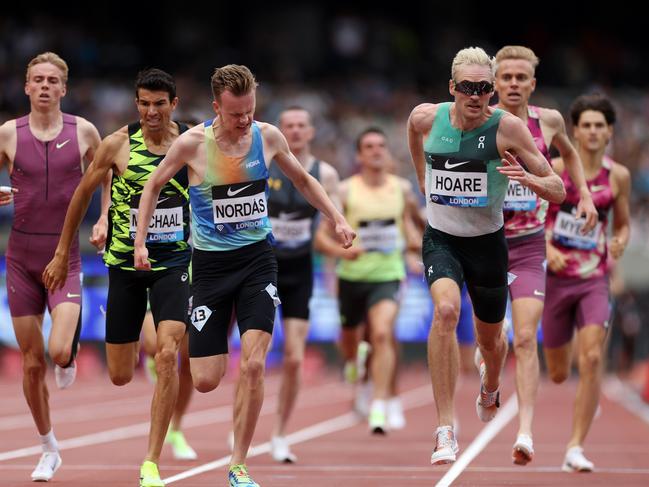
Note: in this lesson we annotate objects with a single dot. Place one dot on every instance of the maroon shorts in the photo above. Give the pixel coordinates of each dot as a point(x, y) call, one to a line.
point(573, 302)
point(27, 257)
point(527, 263)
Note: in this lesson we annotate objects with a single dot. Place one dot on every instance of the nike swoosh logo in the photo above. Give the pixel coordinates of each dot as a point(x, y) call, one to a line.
point(597, 187)
point(538, 293)
point(237, 191)
point(451, 166)
point(70, 295)
point(163, 199)
point(58, 146)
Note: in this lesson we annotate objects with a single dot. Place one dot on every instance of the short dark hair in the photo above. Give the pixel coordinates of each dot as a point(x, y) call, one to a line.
point(596, 102)
point(367, 131)
point(155, 79)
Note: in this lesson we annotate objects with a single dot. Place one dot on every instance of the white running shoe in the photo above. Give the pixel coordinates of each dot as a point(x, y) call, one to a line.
point(396, 419)
point(575, 461)
point(280, 450)
point(65, 377)
point(523, 450)
point(487, 403)
point(363, 398)
point(377, 420)
point(362, 354)
point(48, 464)
point(446, 447)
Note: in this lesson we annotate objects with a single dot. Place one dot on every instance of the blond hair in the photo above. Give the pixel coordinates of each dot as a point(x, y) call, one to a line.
point(236, 78)
point(517, 52)
point(471, 56)
point(52, 58)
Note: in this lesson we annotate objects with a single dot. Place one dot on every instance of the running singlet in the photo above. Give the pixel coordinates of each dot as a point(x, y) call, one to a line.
point(376, 215)
point(586, 254)
point(46, 175)
point(464, 191)
point(230, 207)
point(168, 232)
point(523, 210)
point(291, 215)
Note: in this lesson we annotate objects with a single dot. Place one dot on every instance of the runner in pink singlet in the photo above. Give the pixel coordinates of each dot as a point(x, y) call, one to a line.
point(44, 153)
point(578, 265)
point(524, 214)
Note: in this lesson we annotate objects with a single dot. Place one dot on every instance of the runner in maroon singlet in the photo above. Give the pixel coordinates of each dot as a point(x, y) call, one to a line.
point(45, 152)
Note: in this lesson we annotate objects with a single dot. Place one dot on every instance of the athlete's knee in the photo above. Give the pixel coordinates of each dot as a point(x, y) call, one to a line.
point(293, 362)
point(252, 370)
point(204, 382)
point(525, 341)
point(381, 338)
point(558, 373)
point(590, 360)
point(120, 377)
point(61, 356)
point(447, 315)
point(34, 366)
point(166, 362)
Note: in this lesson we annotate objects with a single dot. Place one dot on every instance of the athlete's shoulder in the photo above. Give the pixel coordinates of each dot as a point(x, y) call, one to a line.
point(422, 116)
point(551, 117)
point(510, 124)
point(268, 130)
point(558, 165)
point(8, 129)
point(619, 171)
point(328, 171)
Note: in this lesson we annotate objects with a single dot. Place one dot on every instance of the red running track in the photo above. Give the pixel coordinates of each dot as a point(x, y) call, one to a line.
point(102, 430)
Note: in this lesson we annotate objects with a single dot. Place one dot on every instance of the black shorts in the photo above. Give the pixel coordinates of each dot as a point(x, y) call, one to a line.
point(168, 291)
point(357, 297)
point(295, 286)
point(245, 278)
point(480, 261)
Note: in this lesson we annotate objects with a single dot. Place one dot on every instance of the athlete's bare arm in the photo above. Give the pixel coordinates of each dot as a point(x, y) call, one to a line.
point(420, 123)
point(330, 182)
point(277, 147)
point(56, 271)
point(560, 140)
point(89, 140)
point(413, 223)
point(7, 153)
point(100, 229)
point(183, 151)
point(515, 138)
point(621, 185)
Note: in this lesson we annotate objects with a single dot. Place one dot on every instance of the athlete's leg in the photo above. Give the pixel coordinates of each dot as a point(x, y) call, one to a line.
point(185, 387)
point(493, 348)
point(381, 318)
point(169, 336)
point(443, 356)
point(295, 333)
point(590, 341)
point(121, 359)
point(526, 313)
point(149, 338)
point(28, 330)
point(250, 393)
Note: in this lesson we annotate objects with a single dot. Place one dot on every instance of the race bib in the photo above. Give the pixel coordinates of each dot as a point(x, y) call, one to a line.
point(379, 235)
point(567, 232)
point(166, 224)
point(519, 198)
point(239, 206)
point(454, 182)
point(291, 231)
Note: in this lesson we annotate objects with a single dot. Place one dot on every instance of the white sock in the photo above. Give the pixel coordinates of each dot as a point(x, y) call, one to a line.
point(49, 442)
point(378, 405)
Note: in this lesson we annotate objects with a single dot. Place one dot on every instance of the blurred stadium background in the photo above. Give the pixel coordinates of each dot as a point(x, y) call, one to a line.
point(351, 66)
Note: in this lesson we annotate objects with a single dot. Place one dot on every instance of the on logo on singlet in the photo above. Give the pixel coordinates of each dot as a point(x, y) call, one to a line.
point(378, 235)
point(239, 206)
point(567, 230)
point(519, 197)
point(166, 223)
point(455, 182)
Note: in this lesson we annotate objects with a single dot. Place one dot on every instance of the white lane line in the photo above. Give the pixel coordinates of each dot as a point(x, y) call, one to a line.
point(221, 414)
point(411, 399)
point(615, 390)
point(488, 433)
